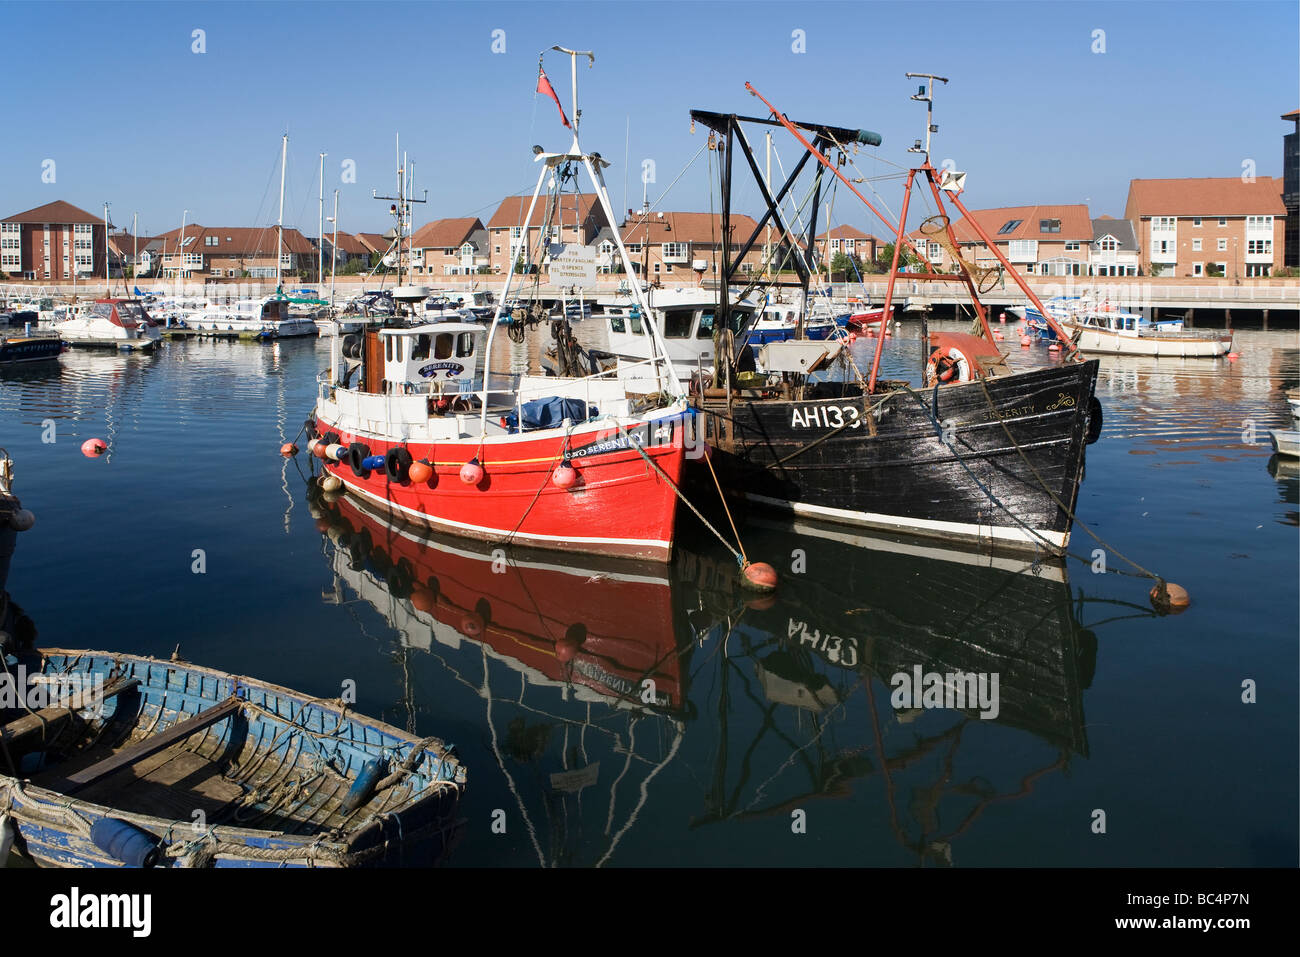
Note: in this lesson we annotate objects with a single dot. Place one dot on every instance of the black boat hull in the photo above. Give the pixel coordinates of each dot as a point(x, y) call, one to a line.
point(997, 461)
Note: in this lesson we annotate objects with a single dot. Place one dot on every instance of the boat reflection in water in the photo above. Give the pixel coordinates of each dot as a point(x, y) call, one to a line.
point(516, 627)
point(616, 692)
point(827, 655)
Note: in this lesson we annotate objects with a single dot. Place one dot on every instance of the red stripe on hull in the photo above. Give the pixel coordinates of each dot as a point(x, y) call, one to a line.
point(607, 632)
point(618, 506)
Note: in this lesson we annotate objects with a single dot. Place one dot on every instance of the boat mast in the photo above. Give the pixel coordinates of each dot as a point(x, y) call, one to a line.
point(135, 244)
point(279, 230)
point(108, 289)
point(334, 252)
point(320, 228)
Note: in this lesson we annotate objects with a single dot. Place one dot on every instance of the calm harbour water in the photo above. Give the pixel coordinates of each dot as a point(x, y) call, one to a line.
point(764, 709)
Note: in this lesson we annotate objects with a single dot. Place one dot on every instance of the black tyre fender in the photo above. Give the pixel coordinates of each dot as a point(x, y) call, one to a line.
point(1094, 420)
point(358, 452)
point(397, 463)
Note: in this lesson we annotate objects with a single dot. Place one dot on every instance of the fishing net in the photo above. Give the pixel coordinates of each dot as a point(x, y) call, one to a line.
point(984, 277)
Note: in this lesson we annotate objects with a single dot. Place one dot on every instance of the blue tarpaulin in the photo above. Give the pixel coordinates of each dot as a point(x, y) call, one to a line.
point(550, 413)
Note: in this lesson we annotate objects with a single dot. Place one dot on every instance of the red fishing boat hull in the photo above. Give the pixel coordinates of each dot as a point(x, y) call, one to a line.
point(861, 321)
point(619, 505)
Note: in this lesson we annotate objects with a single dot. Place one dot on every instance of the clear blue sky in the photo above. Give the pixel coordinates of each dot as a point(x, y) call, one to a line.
point(114, 94)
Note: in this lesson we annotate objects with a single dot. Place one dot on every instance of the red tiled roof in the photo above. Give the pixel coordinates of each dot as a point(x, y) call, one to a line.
point(685, 228)
point(847, 232)
point(513, 209)
point(445, 233)
point(349, 244)
point(375, 242)
point(1206, 196)
point(236, 240)
point(1076, 226)
point(55, 212)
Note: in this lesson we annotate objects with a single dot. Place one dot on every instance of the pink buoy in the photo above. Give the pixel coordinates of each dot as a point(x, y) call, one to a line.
point(1232, 356)
point(853, 337)
point(759, 576)
point(93, 448)
point(1002, 317)
point(471, 473)
point(1026, 341)
point(1054, 347)
point(564, 475)
point(998, 334)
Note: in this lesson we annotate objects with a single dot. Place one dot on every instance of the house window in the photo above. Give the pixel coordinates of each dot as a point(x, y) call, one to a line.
point(1162, 222)
point(1223, 220)
point(498, 249)
point(1259, 247)
point(935, 252)
point(1049, 225)
point(1257, 270)
point(1198, 269)
point(1009, 226)
point(835, 245)
point(1071, 247)
point(848, 245)
point(1223, 245)
point(674, 250)
point(1196, 245)
point(1023, 250)
point(1260, 223)
point(1196, 221)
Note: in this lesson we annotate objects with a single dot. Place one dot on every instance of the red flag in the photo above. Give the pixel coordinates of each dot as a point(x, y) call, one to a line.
point(544, 86)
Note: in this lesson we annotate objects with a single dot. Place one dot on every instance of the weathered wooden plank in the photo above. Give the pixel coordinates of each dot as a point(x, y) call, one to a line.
point(21, 734)
point(149, 746)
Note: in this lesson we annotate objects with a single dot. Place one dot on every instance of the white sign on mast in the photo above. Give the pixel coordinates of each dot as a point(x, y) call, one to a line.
point(573, 264)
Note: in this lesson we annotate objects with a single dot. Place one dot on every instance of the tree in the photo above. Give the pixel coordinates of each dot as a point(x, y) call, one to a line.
point(1156, 269)
point(845, 268)
point(886, 256)
point(1214, 270)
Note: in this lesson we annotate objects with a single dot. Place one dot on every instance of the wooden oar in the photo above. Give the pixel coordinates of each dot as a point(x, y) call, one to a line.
point(32, 730)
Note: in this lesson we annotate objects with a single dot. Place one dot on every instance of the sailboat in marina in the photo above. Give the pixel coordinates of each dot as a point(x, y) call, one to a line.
point(416, 420)
point(276, 317)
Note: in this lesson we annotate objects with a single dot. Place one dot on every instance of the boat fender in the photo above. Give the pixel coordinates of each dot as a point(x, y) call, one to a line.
point(125, 842)
point(397, 463)
point(358, 452)
point(22, 520)
point(420, 472)
point(288, 450)
point(6, 838)
point(564, 475)
point(1094, 420)
point(335, 453)
point(363, 788)
point(372, 462)
point(471, 473)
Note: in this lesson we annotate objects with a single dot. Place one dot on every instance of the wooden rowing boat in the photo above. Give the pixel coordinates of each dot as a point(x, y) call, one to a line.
point(138, 761)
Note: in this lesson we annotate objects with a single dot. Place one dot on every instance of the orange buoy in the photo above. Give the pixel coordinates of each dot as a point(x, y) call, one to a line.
point(471, 473)
point(288, 450)
point(762, 602)
point(319, 449)
point(1173, 601)
point(564, 475)
point(423, 599)
point(998, 334)
point(419, 472)
point(93, 448)
point(472, 624)
point(1231, 356)
point(1026, 341)
point(1054, 347)
point(565, 650)
point(758, 576)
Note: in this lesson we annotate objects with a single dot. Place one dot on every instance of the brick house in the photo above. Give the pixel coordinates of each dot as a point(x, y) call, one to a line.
point(1208, 226)
point(122, 247)
point(578, 219)
point(848, 240)
point(674, 247)
point(1114, 250)
point(1037, 240)
point(376, 244)
point(50, 242)
point(350, 249)
point(449, 247)
point(230, 252)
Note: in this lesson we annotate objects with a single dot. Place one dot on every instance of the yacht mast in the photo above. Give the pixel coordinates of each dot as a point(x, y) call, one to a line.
point(279, 230)
point(320, 228)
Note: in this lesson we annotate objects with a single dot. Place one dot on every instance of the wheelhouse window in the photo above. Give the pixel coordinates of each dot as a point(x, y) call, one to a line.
point(616, 322)
point(442, 345)
point(705, 328)
point(677, 323)
point(420, 346)
point(464, 345)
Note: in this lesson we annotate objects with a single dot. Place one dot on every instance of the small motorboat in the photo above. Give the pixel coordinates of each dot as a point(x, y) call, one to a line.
point(1286, 442)
point(132, 761)
point(39, 346)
